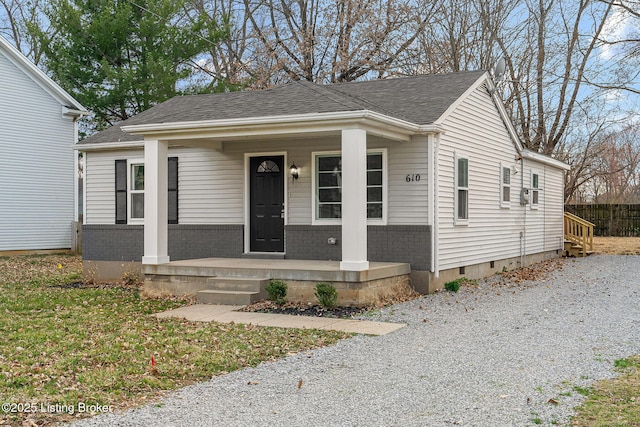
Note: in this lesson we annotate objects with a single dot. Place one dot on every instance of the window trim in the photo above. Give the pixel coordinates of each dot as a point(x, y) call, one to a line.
point(535, 190)
point(504, 203)
point(130, 164)
point(456, 220)
point(314, 190)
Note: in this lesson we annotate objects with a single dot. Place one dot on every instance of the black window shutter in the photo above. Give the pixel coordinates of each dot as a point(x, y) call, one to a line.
point(173, 190)
point(121, 191)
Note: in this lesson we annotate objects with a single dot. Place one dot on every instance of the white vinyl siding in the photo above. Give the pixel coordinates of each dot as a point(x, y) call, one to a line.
point(553, 203)
point(476, 129)
point(211, 182)
point(37, 201)
point(100, 184)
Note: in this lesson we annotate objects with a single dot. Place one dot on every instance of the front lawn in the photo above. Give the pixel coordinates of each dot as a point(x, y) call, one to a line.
point(67, 346)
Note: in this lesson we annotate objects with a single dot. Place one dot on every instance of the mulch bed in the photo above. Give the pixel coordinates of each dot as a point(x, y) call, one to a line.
point(304, 309)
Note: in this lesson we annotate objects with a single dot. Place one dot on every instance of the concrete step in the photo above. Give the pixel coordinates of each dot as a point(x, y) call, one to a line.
point(239, 284)
point(227, 297)
point(264, 255)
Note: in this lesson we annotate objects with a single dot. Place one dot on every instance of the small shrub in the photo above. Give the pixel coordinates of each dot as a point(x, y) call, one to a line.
point(454, 285)
point(326, 294)
point(277, 290)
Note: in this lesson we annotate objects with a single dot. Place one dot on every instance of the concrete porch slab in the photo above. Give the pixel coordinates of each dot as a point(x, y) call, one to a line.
point(286, 269)
point(227, 314)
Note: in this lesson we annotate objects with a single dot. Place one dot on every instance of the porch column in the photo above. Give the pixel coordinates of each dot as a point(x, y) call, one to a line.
point(155, 202)
point(354, 200)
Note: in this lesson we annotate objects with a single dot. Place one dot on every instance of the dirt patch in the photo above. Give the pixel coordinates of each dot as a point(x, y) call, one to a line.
point(617, 245)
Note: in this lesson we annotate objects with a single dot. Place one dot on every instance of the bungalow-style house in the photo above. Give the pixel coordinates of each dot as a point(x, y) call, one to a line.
point(356, 183)
point(38, 128)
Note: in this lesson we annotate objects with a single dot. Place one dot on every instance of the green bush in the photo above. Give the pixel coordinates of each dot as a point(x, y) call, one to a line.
point(326, 294)
point(454, 285)
point(277, 290)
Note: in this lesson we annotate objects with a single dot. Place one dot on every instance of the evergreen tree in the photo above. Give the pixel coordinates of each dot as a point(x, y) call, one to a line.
point(120, 57)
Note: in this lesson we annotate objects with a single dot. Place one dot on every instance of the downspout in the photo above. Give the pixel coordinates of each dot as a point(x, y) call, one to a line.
point(434, 142)
point(75, 168)
point(523, 234)
point(431, 199)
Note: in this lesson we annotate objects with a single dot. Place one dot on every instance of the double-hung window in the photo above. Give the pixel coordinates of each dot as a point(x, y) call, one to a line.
point(461, 190)
point(535, 190)
point(505, 186)
point(328, 186)
point(136, 191)
point(129, 196)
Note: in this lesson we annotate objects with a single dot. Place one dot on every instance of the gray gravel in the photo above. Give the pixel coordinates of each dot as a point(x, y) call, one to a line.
point(491, 356)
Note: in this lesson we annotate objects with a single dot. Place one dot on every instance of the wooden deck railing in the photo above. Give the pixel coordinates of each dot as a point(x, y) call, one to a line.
point(579, 232)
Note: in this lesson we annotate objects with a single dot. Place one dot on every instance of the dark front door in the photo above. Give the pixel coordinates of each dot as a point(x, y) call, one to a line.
point(267, 204)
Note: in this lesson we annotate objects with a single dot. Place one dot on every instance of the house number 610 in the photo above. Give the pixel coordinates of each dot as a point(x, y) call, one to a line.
point(413, 177)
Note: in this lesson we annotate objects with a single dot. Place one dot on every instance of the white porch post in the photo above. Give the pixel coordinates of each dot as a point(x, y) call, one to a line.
point(354, 200)
point(155, 202)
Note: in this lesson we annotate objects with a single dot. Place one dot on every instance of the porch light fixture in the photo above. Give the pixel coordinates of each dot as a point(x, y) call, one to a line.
point(293, 170)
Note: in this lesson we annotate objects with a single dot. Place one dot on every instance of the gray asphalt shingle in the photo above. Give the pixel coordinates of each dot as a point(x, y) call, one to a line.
point(417, 99)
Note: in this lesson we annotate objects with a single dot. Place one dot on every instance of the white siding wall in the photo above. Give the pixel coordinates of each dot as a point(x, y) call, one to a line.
point(475, 130)
point(100, 184)
point(211, 182)
point(553, 209)
point(534, 219)
point(36, 201)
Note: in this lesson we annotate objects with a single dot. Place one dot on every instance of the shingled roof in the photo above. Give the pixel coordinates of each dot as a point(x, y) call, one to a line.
point(418, 99)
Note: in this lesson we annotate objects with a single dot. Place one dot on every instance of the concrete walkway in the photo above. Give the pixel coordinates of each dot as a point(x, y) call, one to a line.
point(228, 314)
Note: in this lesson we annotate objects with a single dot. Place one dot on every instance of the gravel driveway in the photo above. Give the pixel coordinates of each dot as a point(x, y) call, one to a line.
point(492, 356)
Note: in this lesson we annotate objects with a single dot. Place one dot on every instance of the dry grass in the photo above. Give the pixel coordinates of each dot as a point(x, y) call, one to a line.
point(67, 343)
point(617, 245)
point(613, 402)
point(400, 291)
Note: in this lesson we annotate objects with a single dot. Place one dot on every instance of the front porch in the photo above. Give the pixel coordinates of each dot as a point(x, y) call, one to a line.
point(243, 280)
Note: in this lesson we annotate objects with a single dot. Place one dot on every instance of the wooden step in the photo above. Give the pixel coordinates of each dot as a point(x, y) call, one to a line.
point(218, 297)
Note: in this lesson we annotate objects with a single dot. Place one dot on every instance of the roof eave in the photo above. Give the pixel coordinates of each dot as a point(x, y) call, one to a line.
point(373, 122)
point(541, 158)
point(106, 146)
point(41, 78)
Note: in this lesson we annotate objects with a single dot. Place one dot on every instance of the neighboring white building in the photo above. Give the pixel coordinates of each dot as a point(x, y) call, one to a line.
point(423, 170)
point(37, 132)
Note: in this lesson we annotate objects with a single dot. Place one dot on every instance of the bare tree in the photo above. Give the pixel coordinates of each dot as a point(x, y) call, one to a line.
point(334, 41)
point(16, 16)
point(548, 71)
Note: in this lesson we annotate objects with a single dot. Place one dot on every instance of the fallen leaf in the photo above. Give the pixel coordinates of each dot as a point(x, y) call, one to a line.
point(300, 383)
